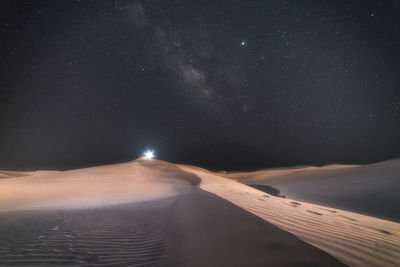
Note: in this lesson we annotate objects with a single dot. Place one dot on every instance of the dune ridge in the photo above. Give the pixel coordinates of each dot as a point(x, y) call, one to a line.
point(90, 187)
point(367, 189)
point(279, 172)
point(354, 239)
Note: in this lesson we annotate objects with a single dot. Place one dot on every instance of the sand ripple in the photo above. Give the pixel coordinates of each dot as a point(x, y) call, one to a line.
point(131, 236)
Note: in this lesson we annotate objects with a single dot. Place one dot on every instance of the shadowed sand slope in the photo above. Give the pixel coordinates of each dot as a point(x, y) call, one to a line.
point(192, 229)
point(355, 239)
point(135, 234)
point(213, 232)
point(370, 189)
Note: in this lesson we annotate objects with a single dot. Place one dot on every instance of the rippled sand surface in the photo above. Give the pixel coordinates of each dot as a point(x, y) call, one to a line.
point(125, 235)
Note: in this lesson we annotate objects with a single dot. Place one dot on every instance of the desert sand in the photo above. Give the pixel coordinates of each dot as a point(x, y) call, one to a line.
point(154, 213)
point(91, 187)
point(355, 239)
point(195, 228)
point(368, 189)
point(141, 213)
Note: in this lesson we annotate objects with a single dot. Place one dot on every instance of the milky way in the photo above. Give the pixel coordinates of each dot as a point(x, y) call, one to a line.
point(223, 84)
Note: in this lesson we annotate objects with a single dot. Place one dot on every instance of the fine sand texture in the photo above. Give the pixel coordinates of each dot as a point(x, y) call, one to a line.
point(188, 228)
point(355, 239)
point(369, 189)
point(135, 234)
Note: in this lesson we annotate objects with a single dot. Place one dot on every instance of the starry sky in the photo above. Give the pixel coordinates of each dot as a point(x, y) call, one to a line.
point(220, 84)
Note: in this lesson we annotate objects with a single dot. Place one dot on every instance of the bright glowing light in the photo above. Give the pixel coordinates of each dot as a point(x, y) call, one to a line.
point(149, 154)
point(243, 43)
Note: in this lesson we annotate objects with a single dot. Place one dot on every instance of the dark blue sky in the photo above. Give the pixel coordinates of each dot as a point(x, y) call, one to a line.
point(221, 84)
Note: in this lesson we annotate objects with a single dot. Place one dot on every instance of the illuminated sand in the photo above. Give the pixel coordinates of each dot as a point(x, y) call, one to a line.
point(91, 187)
point(166, 221)
point(368, 189)
point(355, 239)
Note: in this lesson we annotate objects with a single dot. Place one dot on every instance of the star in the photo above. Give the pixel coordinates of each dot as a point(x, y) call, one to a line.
point(243, 43)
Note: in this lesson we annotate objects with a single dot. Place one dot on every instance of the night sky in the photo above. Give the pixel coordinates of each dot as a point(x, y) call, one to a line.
point(219, 84)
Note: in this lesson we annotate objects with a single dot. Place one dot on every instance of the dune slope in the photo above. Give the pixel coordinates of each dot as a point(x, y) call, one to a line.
point(368, 189)
point(355, 239)
point(104, 185)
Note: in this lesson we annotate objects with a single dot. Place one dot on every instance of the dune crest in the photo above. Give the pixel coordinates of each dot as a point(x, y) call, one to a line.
point(90, 187)
point(354, 239)
point(367, 189)
point(279, 172)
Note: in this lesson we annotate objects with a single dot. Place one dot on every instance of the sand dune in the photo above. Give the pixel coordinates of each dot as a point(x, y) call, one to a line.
point(90, 187)
point(152, 213)
point(355, 239)
point(368, 189)
point(189, 228)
